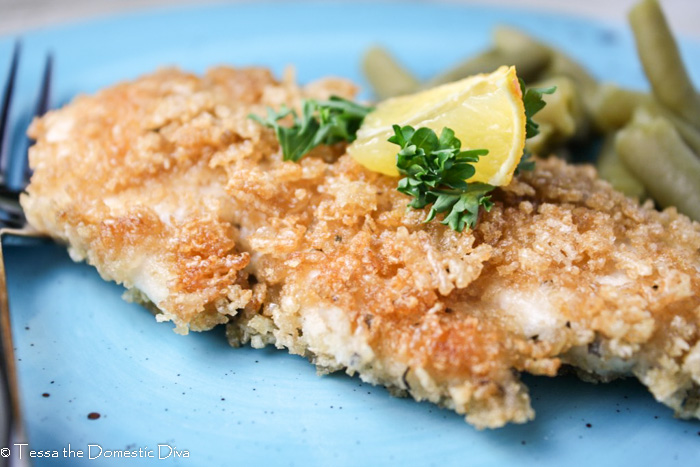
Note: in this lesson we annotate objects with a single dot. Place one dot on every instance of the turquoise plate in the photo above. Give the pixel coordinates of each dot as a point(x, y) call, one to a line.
point(83, 350)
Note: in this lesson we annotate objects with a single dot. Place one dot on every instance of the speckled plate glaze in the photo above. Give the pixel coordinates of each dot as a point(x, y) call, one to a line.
point(82, 350)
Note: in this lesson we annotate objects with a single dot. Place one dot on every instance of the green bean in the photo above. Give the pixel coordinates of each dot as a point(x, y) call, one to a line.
point(662, 62)
point(511, 47)
point(559, 119)
point(545, 142)
point(560, 67)
point(526, 64)
point(612, 107)
point(612, 169)
point(689, 133)
point(510, 39)
point(484, 62)
point(558, 111)
point(562, 64)
point(558, 63)
point(530, 56)
point(654, 152)
point(565, 108)
point(386, 76)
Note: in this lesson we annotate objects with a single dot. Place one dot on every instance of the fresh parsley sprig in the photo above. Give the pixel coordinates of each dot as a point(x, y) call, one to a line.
point(321, 122)
point(533, 102)
point(436, 170)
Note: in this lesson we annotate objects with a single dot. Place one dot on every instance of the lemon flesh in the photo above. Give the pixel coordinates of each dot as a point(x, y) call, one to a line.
point(485, 112)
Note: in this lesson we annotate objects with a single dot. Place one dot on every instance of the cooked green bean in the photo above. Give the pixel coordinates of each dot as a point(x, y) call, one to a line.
point(386, 76)
point(529, 56)
point(559, 111)
point(567, 100)
point(689, 133)
point(654, 152)
point(511, 47)
point(612, 107)
point(484, 62)
point(562, 64)
point(558, 63)
point(527, 65)
point(612, 169)
point(560, 119)
point(662, 62)
point(580, 84)
point(545, 142)
point(508, 39)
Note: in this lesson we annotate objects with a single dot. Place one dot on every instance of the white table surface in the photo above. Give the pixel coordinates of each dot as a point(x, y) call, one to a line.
point(21, 15)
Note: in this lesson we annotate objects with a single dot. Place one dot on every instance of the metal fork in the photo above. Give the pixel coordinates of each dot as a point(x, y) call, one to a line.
point(13, 222)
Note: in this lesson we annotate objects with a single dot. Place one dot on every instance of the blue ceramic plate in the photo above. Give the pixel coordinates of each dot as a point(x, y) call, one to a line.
point(83, 350)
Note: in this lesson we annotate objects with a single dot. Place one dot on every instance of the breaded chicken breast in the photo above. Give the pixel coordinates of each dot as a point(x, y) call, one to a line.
point(165, 185)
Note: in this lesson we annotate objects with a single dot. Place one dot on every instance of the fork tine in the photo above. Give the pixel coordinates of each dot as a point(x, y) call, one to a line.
point(42, 106)
point(45, 92)
point(5, 111)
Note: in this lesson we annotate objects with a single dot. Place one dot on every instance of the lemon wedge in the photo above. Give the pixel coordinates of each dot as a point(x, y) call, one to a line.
point(485, 112)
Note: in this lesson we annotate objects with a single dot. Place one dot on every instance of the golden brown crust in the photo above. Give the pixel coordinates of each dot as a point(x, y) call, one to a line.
point(124, 178)
point(164, 184)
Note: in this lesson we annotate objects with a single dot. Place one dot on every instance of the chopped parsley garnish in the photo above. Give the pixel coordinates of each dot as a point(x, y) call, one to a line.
point(321, 122)
point(533, 102)
point(436, 170)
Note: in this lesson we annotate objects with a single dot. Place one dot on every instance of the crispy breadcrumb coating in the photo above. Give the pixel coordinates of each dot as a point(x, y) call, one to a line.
point(166, 186)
